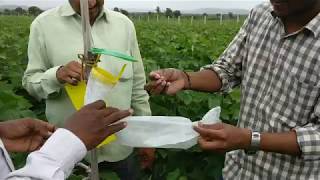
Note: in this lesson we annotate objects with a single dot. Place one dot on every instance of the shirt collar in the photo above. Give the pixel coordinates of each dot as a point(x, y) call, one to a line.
point(67, 10)
point(313, 26)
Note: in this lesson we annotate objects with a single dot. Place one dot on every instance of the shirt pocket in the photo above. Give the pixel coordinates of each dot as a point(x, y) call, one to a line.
point(299, 94)
point(304, 69)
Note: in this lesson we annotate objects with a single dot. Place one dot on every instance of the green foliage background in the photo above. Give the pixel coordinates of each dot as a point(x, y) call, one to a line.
point(162, 45)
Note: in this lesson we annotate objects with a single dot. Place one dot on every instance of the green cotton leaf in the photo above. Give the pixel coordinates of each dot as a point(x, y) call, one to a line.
point(183, 178)
point(13, 106)
point(183, 110)
point(174, 175)
point(162, 45)
point(214, 101)
point(3, 57)
point(236, 95)
point(185, 97)
point(225, 115)
point(108, 175)
point(76, 177)
point(19, 159)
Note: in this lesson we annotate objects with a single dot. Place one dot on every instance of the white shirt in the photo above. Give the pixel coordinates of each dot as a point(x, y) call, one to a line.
point(55, 160)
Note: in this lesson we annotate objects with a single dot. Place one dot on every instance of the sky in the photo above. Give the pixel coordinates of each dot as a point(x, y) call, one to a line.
point(149, 4)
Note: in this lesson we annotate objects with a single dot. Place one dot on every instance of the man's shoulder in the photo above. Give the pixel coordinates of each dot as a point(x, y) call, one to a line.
point(47, 15)
point(119, 17)
point(262, 9)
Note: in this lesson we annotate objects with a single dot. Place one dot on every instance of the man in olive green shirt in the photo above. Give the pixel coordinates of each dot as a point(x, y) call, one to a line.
point(54, 43)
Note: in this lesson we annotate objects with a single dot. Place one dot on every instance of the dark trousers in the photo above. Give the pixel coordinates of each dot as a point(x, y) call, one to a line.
point(127, 169)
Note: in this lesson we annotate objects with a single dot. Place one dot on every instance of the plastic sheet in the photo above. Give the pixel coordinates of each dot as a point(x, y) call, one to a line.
point(163, 131)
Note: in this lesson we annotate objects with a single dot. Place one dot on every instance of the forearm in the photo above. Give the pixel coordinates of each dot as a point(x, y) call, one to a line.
point(205, 80)
point(283, 143)
point(41, 84)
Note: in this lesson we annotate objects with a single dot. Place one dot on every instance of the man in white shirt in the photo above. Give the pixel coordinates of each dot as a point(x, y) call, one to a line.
point(64, 147)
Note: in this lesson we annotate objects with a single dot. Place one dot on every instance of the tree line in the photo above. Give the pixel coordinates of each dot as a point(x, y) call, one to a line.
point(31, 11)
point(168, 12)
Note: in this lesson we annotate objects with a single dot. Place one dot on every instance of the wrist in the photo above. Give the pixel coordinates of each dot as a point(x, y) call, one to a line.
point(246, 138)
point(58, 75)
point(187, 80)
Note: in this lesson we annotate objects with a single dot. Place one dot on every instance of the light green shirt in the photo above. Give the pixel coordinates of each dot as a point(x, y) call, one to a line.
point(56, 39)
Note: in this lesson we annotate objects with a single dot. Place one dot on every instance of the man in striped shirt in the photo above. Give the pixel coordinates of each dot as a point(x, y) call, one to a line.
point(275, 58)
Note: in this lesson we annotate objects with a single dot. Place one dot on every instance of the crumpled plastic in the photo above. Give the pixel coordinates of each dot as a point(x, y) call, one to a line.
point(163, 131)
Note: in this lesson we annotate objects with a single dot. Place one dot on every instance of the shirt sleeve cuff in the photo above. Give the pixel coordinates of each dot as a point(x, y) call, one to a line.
point(308, 140)
point(52, 83)
point(65, 148)
point(222, 76)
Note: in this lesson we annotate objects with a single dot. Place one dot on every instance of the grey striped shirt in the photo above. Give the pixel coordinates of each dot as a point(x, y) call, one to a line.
point(279, 76)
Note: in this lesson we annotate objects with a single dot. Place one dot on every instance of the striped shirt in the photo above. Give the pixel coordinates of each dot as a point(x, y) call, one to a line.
point(279, 76)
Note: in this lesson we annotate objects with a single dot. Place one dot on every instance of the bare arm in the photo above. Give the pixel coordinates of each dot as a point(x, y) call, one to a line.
point(205, 80)
point(224, 137)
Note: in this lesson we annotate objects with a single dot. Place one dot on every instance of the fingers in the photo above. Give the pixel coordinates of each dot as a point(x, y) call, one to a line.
point(108, 111)
point(70, 73)
point(73, 78)
point(75, 75)
point(75, 66)
point(42, 128)
point(46, 131)
point(209, 133)
point(157, 87)
point(155, 75)
point(216, 126)
point(169, 81)
point(114, 128)
point(48, 126)
point(211, 145)
point(71, 81)
point(116, 116)
point(96, 105)
point(35, 143)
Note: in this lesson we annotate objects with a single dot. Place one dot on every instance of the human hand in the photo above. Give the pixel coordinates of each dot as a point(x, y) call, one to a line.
point(222, 137)
point(25, 135)
point(70, 73)
point(168, 81)
point(94, 123)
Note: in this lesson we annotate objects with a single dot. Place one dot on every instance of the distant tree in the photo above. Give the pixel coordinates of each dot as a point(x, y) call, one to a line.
point(116, 9)
point(169, 12)
point(205, 14)
point(158, 10)
point(176, 13)
point(7, 12)
point(34, 10)
point(230, 14)
point(124, 12)
point(149, 13)
point(218, 15)
point(19, 11)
